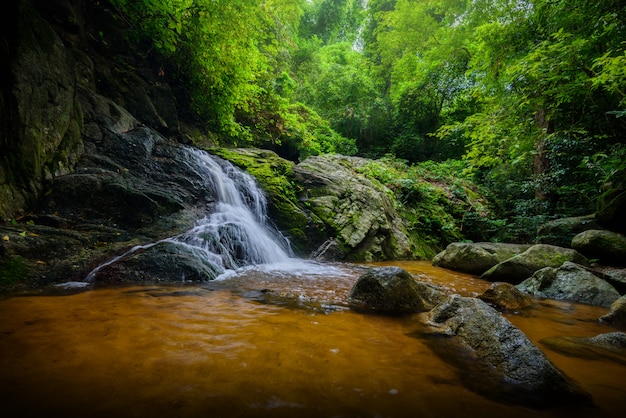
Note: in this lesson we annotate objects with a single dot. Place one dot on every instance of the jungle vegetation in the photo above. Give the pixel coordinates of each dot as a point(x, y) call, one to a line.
point(526, 98)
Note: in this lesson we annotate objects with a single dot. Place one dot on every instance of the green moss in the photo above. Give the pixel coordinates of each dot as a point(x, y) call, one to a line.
point(12, 271)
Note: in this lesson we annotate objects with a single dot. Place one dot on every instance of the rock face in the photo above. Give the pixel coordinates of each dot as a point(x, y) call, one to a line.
point(476, 258)
point(570, 282)
point(505, 296)
point(608, 247)
point(511, 367)
point(359, 212)
point(522, 266)
point(393, 290)
point(617, 314)
point(328, 251)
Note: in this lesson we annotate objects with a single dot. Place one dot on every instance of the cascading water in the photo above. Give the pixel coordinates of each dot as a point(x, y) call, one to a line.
point(237, 232)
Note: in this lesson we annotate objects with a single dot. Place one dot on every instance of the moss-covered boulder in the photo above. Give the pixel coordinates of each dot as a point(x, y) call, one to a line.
point(607, 247)
point(476, 258)
point(359, 212)
point(561, 231)
point(522, 266)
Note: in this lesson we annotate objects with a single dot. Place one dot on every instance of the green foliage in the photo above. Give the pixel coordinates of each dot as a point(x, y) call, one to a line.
point(439, 200)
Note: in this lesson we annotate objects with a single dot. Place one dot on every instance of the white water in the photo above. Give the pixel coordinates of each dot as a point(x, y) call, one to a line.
point(237, 233)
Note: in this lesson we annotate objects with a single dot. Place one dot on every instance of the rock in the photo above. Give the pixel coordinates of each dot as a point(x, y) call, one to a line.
point(481, 342)
point(611, 205)
point(163, 262)
point(609, 248)
point(560, 232)
point(393, 290)
point(476, 258)
point(616, 278)
point(522, 266)
point(617, 314)
point(570, 282)
point(358, 211)
point(328, 251)
point(505, 296)
point(608, 347)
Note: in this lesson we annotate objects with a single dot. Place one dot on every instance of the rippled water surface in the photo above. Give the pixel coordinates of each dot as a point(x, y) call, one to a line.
point(278, 342)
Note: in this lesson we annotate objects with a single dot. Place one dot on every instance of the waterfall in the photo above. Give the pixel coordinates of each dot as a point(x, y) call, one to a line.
point(237, 233)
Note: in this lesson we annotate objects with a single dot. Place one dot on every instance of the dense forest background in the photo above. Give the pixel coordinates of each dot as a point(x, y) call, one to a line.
point(525, 98)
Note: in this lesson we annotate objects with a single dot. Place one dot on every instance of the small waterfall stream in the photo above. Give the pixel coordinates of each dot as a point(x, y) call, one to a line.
point(237, 233)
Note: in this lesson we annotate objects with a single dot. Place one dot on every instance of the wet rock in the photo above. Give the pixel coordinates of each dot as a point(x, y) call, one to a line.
point(615, 277)
point(481, 342)
point(476, 258)
point(607, 347)
point(163, 262)
point(505, 296)
point(393, 290)
point(617, 314)
point(328, 251)
point(561, 231)
point(609, 248)
point(570, 282)
point(522, 266)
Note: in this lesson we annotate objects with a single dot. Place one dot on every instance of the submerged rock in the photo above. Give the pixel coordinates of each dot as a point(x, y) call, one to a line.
point(394, 290)
point(476, 258)
point(617, 314)
point(607, 347)
point(505, 296)
point(570, 282)
point(481, 342)
point(524, 265)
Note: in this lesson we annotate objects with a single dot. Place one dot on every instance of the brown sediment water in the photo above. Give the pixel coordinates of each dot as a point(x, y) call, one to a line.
point(260, 345)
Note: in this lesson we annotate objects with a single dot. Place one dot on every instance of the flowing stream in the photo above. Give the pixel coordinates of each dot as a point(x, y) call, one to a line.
point(262, 344)
point(272, 336)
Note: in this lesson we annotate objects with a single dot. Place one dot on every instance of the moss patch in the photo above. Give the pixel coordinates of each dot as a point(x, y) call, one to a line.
point(12, 271)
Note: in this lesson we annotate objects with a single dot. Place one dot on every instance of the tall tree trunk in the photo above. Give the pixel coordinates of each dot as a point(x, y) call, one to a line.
point(540, 160)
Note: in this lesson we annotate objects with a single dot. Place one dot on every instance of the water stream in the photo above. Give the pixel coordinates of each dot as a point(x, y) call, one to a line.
point(262, 344)
point(272, 336)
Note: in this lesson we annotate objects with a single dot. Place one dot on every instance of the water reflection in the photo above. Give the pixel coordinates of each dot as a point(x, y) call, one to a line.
point(261, 343)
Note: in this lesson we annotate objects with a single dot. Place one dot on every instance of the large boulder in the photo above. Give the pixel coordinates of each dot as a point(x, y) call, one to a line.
point(611, 205)
point(522, 266)
point(358, 210)
point(561, 231)
point(617, 313)
point(607, 247)
point(570, 282)
point(476, 258)
point(394, 290)
point(481, 342)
